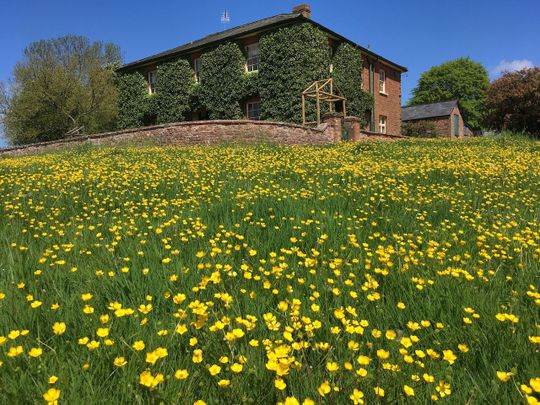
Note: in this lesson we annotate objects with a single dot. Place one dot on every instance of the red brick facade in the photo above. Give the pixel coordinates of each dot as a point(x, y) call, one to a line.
point(444, 126)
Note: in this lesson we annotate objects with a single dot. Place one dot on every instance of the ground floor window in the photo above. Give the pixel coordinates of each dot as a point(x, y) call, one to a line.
point(253, 110)
point(382, 124)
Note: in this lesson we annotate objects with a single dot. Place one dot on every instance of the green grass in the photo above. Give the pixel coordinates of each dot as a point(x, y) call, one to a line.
point(328, 240)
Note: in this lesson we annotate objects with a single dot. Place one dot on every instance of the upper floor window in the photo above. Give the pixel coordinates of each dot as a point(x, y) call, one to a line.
point(382, 81)
point(152, 82)
point(197, 68)
point(382, 124)
point(253, 110)
point(252, 57)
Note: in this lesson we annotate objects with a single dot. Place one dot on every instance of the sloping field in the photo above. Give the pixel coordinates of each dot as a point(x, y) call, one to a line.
point(377, 273)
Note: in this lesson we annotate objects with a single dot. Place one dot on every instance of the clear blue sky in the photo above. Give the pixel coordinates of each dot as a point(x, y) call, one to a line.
point(417, 34)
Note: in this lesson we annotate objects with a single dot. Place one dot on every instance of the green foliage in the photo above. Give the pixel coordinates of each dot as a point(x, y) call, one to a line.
point(421, 129)
point(292, 58)
point(222, 81)
point(513, 102)
point(173, 85)
point(461, 79)
point(63, 85)
point(347, 76)
point(133, 103)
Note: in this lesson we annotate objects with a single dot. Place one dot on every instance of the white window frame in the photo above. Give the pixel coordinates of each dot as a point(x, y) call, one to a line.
point(382, 81)
point(383, 123)
point(253, 106)
point(253, 57)
point(151, 76)
point(197, 64)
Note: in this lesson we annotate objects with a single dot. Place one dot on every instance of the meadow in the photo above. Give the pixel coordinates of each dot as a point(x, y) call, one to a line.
point(404, 272)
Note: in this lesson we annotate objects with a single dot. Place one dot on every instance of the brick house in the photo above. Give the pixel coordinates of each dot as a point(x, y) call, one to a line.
point(444, 118)
point(381, 77)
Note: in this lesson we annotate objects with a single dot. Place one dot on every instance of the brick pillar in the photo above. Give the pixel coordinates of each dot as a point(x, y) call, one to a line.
point(354, 133)
point(334, 125)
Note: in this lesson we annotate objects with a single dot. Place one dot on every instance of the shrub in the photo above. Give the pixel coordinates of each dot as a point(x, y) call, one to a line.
point(133, 104)
point(173, 86)
point(222, 82)
point(422, 129)
point(292, 58)
point(347, 76)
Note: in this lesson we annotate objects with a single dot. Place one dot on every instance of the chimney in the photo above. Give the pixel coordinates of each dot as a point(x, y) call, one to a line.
point(304, 9)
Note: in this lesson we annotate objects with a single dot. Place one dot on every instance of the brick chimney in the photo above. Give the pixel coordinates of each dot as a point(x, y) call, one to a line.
point(304, 9)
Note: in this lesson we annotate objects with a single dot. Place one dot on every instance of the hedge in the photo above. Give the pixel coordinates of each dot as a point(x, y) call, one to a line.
point(347, 76)
point(291, 59)
point(174, 81)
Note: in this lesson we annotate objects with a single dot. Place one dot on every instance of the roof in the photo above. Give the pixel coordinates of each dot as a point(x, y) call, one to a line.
point(236, 32)
point(417, 112)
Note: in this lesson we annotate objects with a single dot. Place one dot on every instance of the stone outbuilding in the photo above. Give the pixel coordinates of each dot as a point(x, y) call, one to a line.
point(442, 119)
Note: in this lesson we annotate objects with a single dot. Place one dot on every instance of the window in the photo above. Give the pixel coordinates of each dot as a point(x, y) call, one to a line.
point(253, 110)
point(252, 57)
point(382, 124)
point(197, 69)
point(152, 82)
point(382, 81)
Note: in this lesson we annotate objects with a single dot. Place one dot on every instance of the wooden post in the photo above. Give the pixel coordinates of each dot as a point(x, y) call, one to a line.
point(303, 109)
point(344, 108)
point(318, 105)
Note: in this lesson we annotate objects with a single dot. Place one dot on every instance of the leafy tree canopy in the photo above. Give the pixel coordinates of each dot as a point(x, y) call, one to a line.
point(513, 102)
point(462, 79)
point(62, 85)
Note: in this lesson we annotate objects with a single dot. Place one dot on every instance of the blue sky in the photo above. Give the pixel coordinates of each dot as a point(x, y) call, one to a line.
point(500, 34)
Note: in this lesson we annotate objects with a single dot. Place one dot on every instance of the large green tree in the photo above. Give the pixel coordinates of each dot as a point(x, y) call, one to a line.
point(63, 85)
point(462, 79)
point(513, 102)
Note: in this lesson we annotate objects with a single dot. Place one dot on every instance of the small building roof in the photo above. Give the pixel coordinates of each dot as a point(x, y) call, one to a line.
point(243, 30)
point(432, 110)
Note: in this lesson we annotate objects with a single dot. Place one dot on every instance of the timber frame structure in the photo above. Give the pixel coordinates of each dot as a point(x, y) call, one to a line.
point(321, 91)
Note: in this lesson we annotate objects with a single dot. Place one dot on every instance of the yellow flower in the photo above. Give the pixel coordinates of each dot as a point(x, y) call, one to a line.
point(138, 345)
point(199, 402)
point(214, 369)
point(52, 395)
point(120, 362)
point(383, 354)
point(86, 297)
point(463, 348)
point(409, 391)
point(102, 332)
point(59, 328)
point(52, 379)
point(197, 356)
point(181, 374)
point(280, 384)
point(449, 356)
point(35, 352)
point(504, 376)
point(379, 391)
point(224, 383)
point(237, 368)
point(363, 360)
point(291, 401)
point(332, 366)
point(357, 397)
point(150, 381)
point(324, 388)
point(15, 351)
point(535, 384)
point(36, 304)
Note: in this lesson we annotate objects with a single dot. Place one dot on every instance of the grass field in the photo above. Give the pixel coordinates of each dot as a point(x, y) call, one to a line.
point(370, 273)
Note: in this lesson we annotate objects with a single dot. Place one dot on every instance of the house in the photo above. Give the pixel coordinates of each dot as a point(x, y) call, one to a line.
point(381, 77)
point(441, 119)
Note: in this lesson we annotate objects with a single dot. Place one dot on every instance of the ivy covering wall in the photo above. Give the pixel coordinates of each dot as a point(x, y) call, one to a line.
point(347, 76)
point(174, 82)
point(222, 82)
point(133, 103)
point(292, 58)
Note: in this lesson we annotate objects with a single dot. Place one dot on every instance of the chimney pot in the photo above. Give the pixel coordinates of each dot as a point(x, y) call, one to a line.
point(304, 9)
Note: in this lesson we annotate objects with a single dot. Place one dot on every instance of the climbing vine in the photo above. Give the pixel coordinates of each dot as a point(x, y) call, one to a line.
point(174, 82)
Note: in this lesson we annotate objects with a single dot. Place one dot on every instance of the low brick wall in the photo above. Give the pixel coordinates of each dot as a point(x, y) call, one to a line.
point(194, 133)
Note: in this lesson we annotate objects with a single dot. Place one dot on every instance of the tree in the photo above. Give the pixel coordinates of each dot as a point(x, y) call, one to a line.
point(63, 85)
point(461, 79)
point(513, 102)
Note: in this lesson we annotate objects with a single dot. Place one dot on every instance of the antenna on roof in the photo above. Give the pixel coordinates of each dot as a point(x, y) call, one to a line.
point(225, 18)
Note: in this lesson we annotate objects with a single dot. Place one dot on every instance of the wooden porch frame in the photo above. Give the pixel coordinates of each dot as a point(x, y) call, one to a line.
point(321, 91)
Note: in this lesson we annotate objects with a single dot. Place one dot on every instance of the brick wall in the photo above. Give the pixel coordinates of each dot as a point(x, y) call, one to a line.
point(445, 125)
point(193, 133)
point(388, 104)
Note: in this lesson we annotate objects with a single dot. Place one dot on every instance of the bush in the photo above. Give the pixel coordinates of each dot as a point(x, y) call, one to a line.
point(174, 82)
point(222, 82)
point(133, 103)
point(513, 102)
point(347, 76)
point(422, 129)
point(292, 58)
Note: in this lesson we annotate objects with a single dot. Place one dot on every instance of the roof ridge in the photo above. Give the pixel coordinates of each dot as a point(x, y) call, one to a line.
point(436, 102)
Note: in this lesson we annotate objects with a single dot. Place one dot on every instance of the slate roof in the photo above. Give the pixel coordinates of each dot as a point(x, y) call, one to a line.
point(417, 112)
point(242, 30)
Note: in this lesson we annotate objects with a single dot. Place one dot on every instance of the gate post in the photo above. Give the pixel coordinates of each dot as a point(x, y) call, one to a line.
point(354, 133)
point(334, 123)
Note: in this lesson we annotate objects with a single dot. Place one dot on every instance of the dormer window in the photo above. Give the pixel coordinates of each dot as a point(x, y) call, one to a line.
point(252, 57)
point(152, 82)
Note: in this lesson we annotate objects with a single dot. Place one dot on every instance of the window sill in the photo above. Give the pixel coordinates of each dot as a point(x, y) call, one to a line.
point(383, 93)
